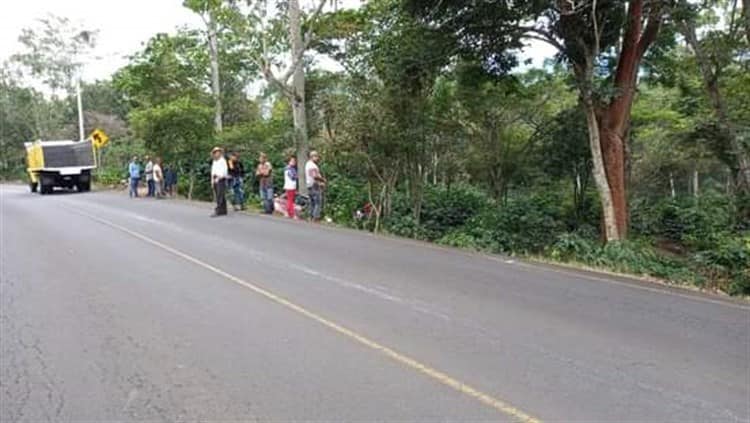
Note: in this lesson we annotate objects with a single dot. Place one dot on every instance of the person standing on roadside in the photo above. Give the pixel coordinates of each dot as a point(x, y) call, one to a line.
point(265, 177)
point(315, 185)
point(290, 185)
point(237, 173)
point(134, 174)
point(219, 173)
point(158, 178)
point(171, 177)
point(168, 178)
point(149, 171)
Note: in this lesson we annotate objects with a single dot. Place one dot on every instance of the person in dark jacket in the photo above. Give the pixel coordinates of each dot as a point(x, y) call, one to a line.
point(237, 175)
point(170, 180)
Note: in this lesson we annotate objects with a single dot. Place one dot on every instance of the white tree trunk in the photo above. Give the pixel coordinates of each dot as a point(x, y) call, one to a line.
point(611, 232)
point(297, 92)
point(671, 185)
point(213, 46)
point(696, 184)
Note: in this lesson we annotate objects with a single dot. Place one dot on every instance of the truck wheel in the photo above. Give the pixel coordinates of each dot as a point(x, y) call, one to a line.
point(84, 186)
point(46, 185)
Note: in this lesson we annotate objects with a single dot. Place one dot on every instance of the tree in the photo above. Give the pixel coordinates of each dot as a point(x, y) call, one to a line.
point(504, 119)
point(168, 68)
point(180, 130)
point(17, 122)
point(717, 55)
point(404, 58)
point(298, 42)
point(54, 51)
point(662, 155)
point(210, 12)
point(588, 34)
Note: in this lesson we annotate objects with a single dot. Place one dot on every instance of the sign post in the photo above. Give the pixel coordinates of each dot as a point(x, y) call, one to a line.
point(98, 140)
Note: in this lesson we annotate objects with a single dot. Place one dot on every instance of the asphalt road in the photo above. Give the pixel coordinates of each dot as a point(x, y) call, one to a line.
point(114, 309)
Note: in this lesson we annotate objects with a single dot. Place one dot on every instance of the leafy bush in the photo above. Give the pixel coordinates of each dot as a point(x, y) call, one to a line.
point(443, 211)
point(523, 225)
point(446, 209)
point(625, 256)
point(110, 176)
point(343, 198)
point(460, 239)
point(694, 223)
point(407, 226)
point(727, 265)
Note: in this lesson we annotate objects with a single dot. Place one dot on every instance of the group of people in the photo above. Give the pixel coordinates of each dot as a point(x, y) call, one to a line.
point(160, 179)
point(229, 172)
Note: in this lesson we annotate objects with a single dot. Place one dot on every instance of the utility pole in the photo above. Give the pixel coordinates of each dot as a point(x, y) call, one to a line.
point(80, 108)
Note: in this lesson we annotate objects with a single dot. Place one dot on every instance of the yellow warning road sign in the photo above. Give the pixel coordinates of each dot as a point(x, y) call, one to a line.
point(99, 138)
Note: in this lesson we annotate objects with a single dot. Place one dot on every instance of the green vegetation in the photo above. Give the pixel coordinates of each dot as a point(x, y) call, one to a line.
point(445, 135)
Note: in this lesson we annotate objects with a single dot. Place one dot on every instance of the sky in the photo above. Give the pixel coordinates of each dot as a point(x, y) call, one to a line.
point(124, 26)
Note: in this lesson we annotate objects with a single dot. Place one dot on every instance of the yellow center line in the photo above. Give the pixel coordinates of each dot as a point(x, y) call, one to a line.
point(405, 360)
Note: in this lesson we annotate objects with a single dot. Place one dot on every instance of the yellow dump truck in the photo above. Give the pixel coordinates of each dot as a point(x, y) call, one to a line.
point(65, 164)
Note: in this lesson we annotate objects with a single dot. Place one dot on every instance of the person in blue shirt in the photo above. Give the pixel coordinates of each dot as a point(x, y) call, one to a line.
point(134, 173)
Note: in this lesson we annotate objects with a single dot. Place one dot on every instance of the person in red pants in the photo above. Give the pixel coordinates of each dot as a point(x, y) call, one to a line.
point(290, 185)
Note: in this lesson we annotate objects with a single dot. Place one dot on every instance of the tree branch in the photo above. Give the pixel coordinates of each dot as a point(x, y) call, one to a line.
point(628, 54)
point(653, 26)
point(316, 12)
point(297, 59)
point(542, 35)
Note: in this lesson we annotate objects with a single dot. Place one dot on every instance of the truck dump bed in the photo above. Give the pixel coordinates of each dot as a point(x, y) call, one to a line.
point(51, 155)
point(65, 155)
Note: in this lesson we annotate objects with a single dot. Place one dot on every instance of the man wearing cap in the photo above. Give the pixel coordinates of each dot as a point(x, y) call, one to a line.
point(149, 171)
point(315, 185)
point(219, 173)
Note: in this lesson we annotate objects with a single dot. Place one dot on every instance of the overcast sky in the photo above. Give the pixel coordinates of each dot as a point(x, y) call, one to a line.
point(124, 25)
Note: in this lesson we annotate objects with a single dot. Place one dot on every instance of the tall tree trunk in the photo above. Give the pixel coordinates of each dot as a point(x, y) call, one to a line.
point(297, 92)
point(191, 185)
point(613, 155)
point(213, 47)
point(608, 123)
point(611, 232)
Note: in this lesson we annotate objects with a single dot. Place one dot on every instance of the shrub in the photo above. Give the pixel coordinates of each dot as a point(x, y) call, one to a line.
point(343, 198)
point(694, 223)
point(461, 239)
point(110, 176)
point(625, 256)
point(524, 225)
point(445, 209)
point(727, 265)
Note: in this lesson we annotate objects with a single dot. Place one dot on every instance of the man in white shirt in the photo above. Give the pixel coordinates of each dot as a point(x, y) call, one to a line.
point(315, 184)
point(149, 170)
point(158, 178)
point(219, 173)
